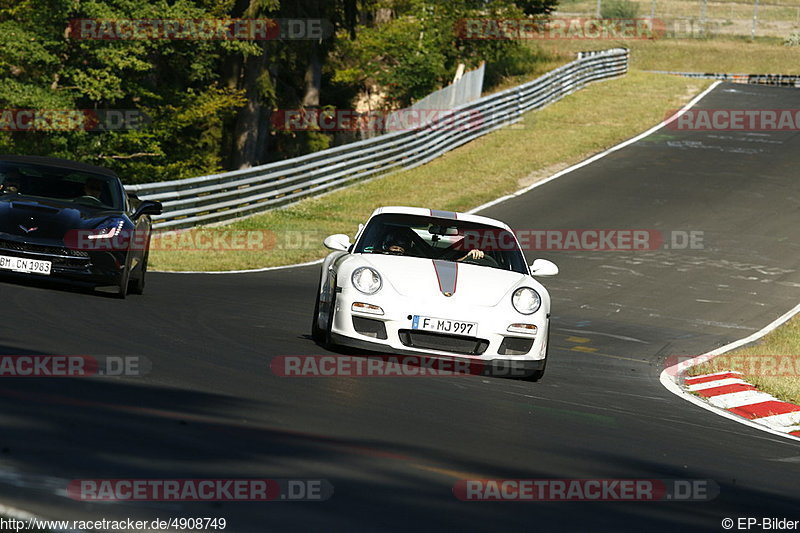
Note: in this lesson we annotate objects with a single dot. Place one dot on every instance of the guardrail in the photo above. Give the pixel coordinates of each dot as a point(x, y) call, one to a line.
point(224, 197)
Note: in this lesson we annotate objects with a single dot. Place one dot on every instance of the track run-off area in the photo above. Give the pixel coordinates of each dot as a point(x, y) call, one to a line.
point(394, 448)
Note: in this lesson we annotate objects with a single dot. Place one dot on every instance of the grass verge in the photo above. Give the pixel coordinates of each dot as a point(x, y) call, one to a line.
point(590, 120)
point(772, 364)
point(729, 54)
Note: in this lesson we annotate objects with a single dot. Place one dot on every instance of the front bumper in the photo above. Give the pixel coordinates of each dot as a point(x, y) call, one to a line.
point(102, 268)
point(392, 331)
point(496, 367)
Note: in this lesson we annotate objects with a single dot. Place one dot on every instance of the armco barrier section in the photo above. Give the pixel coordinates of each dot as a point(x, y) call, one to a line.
point(223, 197)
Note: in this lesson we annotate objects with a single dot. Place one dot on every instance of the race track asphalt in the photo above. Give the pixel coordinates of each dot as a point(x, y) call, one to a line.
point(393, 448)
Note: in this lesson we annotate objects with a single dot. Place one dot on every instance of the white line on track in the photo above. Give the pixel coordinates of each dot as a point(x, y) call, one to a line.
point(264, 269)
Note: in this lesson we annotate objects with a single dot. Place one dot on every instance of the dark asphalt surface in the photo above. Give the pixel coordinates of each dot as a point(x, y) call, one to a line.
point(393, 448)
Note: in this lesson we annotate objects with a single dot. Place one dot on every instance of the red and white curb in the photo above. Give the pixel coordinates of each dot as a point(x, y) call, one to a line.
point(727, 390)
point(729, 396)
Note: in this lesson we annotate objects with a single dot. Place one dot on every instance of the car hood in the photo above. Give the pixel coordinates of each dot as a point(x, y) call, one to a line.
point(464, 283)
point(41, 220)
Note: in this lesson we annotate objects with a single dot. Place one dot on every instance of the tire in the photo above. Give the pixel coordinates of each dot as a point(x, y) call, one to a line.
point(322, 336)
point(316, 331)
point(122, 287)
point(136, 286)
point(327, 340)
point(539, 374)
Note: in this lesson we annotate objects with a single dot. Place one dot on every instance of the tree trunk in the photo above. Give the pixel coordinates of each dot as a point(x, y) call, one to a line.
point(313, 78)
point(231, 73)
point(245, 138)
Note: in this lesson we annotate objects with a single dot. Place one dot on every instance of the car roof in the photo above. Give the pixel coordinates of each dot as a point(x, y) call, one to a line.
point(435, 213)
point(56, 162)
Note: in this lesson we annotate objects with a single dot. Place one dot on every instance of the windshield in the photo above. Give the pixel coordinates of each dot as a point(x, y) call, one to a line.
point(444, 239)
point(87, 190)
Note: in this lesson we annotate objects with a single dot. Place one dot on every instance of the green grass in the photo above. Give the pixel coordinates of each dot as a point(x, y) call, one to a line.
point(772, 364)
point(588, 121)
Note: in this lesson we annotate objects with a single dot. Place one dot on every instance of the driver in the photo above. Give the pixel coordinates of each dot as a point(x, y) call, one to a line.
point(93, 187)
point(11, 182)
point(472, 254)
point(397, 242)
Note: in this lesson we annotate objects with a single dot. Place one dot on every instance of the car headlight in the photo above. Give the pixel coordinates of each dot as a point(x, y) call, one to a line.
point(526, 300)
point(367, 280)
point(108, 230)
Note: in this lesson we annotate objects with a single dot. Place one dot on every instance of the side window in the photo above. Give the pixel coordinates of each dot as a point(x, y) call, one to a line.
point(371, 237)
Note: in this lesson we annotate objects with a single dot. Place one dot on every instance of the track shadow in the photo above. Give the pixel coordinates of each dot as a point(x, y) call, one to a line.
point(57, 430)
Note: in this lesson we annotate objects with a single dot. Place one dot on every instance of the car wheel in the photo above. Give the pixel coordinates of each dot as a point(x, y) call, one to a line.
point(327, 341)
point(316, 331)
point(538, 374)
point(137, 284)
point(122, 288)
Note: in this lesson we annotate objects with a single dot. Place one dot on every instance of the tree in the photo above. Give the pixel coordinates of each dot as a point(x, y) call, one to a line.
point(173, 82)
point(209, 102)
point(419, 49)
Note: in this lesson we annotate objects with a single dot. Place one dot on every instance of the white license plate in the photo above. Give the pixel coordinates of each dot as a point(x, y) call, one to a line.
point(30, 266)
point(444, 325)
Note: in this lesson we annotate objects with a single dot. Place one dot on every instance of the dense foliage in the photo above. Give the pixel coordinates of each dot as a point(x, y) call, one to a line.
point(208, 103)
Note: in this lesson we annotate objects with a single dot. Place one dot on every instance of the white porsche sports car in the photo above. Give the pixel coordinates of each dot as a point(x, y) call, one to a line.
point(421, 281)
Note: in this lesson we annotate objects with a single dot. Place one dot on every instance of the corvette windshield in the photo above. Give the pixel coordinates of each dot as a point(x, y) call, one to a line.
point(88, 190)
point(443, 239)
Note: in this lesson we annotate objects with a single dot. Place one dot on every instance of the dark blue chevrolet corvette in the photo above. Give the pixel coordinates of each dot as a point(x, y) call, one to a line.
point(73, 222)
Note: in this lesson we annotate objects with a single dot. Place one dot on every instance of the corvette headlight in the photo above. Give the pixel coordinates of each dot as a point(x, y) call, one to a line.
point(367, 280)
point(526, 300)
point(108, 230)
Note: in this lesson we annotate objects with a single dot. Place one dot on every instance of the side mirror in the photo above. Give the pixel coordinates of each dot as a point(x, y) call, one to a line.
point(543, 267)
point(339, 242)
point(148, 207)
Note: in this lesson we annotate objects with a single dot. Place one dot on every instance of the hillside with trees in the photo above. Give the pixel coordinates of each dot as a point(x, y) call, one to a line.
point(209, 102)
